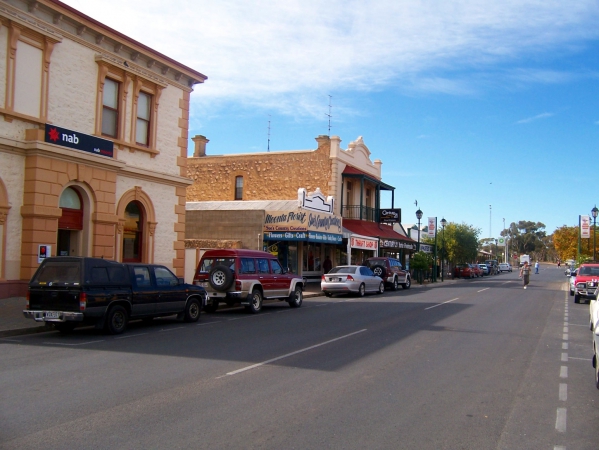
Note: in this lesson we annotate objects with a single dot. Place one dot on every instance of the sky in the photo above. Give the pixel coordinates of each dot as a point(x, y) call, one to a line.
point(483, 112)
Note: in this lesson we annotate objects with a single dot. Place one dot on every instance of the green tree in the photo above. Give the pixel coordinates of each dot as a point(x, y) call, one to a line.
point(565, 240)
point(421, 262)
point(527, 237)
point(459, 242)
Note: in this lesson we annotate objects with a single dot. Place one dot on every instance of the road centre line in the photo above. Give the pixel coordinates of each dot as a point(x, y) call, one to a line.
point(563, 392)
point(448, 301)
point(485, 289)
point(580, 359)
point(560, 421)
point(253, 366)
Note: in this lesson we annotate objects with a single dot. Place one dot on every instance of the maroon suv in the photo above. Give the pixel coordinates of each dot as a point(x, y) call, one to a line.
point(247, 277)
point(390, 270)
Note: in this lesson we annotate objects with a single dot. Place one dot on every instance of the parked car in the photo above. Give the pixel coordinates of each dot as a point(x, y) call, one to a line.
point(493, 266)
point(571, 281)
point(477, 270)
point(391, 271)
point(247, 277)
point(463, 271)
point(351, 280)
point(505, 267)
point(68, 291)
point(484, 268)
point(586, 282)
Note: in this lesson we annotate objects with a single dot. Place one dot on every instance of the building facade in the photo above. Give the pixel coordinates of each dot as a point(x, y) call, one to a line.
point(345, 179)
point(93, 143)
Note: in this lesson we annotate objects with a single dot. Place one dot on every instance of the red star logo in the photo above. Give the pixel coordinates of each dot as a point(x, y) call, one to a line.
point(53, 134)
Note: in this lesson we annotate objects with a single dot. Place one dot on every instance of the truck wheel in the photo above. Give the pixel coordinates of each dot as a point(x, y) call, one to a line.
point(211, 307)
point(407, 284)
point(379, 271)
point(116, 320)
point(192, 311)
point(65, 328)
point(255, 305)
point(395, 284)
point(296, 298)
point(576, 298)
point(220, 278)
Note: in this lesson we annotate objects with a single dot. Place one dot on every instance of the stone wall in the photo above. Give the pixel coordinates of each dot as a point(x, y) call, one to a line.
point(223, 226)
point(266, 176)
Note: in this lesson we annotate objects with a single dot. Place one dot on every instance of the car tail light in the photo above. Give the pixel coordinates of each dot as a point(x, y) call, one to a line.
point(238, 285)
point(322, 278)
point(350, 278)
point(82, 301)
point(27, 304)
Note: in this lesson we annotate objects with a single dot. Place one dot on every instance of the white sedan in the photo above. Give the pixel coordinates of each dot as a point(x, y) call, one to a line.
point(351, 280)
point(505, 267)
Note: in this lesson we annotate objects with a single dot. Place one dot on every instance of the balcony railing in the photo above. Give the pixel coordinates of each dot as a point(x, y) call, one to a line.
point(353, 212)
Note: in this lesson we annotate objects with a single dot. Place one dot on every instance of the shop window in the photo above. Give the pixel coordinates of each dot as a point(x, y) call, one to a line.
point(348, 195)
point(110, 108)
point(28, 79)
point(133, 233)
point(239, 188)
point(142, 129)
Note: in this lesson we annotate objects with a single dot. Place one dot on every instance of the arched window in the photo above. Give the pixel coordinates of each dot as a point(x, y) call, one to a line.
point(239, 188)
point(133, 233)
point(72, 210)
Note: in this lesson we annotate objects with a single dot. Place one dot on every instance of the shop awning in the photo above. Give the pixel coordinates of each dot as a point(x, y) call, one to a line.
point(365, 228)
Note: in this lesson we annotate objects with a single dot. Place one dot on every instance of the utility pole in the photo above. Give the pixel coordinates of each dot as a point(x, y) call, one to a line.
point(329, 115)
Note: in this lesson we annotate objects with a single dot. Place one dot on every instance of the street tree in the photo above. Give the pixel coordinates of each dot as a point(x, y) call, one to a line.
point(459, 242)
point(565, 240)
point(526, 237)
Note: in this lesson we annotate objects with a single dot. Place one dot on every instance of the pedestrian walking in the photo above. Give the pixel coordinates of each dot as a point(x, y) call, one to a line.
point(525, 274)
point(537, 267)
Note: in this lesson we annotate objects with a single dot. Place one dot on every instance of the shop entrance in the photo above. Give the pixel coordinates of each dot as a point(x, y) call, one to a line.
point(70, 224)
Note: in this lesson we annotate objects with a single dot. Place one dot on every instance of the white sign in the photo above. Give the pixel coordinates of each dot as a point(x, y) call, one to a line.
point(43, 252)
point(501, 242)
point(363, 243)
point(432, 227)
point(315, 201)
point(585, 226)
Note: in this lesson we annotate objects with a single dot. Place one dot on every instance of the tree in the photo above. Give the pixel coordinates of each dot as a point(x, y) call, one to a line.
point(565, 240)
point(459, 242)
point(527, 238)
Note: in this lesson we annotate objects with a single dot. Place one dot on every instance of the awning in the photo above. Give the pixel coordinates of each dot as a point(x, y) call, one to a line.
point(389, 238)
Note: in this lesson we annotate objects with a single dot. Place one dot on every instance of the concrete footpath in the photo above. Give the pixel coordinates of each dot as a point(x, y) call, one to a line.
point(13, 323)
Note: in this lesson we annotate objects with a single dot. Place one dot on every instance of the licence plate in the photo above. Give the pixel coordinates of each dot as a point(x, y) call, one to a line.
point(52, 315)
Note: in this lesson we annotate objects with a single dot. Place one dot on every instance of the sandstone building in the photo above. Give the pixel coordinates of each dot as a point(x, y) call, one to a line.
point(93, 143)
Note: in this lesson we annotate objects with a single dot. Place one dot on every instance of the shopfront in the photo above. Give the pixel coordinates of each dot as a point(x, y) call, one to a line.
point(398, 249)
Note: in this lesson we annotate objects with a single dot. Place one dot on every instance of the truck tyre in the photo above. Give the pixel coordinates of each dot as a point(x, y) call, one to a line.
point(296, 298)
point(395, 284)
point(255, 305)
point(407, 284)
point(576, 298)
point(379, 271)
point(192, 310)
point(116, 320)
point(65, 328)
point(220, 278)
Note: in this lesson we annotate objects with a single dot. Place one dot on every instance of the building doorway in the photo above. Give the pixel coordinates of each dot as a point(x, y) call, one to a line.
point(133, 232)
point(70, 224)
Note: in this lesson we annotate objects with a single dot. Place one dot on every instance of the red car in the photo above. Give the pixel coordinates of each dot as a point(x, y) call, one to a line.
point(464, 271)
point(586, 282)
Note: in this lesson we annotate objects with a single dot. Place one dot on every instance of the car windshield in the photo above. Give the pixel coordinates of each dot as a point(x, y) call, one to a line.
point(342, 269)
point(58, 272)
point(588, 270)
point(209, 263)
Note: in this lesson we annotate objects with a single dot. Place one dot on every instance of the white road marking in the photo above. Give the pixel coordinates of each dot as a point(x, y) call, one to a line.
point(485, 289)
point(253, 366)
point(564, 346)
point(563, 372)
point(563, 392)
point(169, 329)
point(581, 359)
point(579, 325)
point(73, 345)
point(559, 447)
point(440, 304)
point(565, 330)
point(11, 340)
point(565, 337)
point(564, 357)
point(130, 336)
point(560, 421)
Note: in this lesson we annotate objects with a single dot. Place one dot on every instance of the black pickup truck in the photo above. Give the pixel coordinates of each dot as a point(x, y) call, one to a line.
point(68, 291)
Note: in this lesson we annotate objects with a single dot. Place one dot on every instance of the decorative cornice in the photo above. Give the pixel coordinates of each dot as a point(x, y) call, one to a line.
point(132, 68)
point(30, 22)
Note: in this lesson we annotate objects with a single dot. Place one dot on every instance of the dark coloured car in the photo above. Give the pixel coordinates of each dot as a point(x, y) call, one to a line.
point(68, 291)
point(390, 270)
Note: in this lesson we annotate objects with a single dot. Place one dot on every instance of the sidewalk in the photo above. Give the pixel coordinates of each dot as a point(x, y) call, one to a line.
point(13, 323)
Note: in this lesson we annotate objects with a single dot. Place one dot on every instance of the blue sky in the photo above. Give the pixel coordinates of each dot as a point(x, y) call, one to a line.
point(467, 103)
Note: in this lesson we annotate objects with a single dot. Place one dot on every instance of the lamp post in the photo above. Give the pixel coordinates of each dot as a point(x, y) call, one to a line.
point(418, 216)
point(443, 223)
point(594, 212)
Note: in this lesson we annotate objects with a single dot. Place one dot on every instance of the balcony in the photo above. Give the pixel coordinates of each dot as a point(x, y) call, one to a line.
point(353, 212)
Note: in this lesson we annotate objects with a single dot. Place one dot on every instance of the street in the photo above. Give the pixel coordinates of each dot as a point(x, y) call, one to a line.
point(472, 364)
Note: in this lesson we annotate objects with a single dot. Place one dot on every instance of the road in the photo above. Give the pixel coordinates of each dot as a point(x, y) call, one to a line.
point(476, 364)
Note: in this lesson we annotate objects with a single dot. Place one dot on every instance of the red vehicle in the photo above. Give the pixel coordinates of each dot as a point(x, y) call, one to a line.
point(478, 272)
point(586, 282)
point(464, 271)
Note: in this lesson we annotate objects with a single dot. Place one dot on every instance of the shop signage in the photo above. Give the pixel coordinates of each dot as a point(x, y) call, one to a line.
point(285, 236)
point(363, 243)
point(315, 202)
point(43, 251)
point(426, 248)
point(276, 221)
point(390, 243)
point(390, 215)
point(585, 226)
point(78, 141)
point(328, 238)
point(432, 227)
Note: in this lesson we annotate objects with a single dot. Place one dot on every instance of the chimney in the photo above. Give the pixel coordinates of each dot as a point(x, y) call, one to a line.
point(200, 145)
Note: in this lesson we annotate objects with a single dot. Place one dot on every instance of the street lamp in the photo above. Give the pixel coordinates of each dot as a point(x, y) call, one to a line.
point(418, 216)
point(443, 223)
point(594, 212)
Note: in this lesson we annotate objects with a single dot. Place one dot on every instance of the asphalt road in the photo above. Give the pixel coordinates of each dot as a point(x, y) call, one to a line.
point(480, 364)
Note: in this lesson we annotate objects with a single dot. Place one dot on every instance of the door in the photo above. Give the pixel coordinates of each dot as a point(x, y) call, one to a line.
point(172, 295)
point(265, 277)
point(145, 294)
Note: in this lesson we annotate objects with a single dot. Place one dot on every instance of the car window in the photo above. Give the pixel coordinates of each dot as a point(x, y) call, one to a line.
point(165, 277)
point(342, 269)
point(99, 275)
point(366, 271)
point(58, 272)
point(248, 265)
point(263, 266)
point(142, 276)
point(375, 262)
point(117, 274)
point(276, 266)
point(207, 264)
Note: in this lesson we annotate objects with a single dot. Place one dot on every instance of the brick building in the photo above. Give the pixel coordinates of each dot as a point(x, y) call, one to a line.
point(234, 195)
point(93, 143)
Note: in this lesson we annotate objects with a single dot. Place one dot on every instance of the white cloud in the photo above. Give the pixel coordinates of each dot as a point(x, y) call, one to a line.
point(288, 55)
point(537, 117)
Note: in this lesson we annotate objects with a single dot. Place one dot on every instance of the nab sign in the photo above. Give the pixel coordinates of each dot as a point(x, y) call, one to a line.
point(78, 141)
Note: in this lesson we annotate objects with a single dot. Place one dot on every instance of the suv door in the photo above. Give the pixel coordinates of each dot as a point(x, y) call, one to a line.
point(145, 295)
point(282, 281)
point(265, 277)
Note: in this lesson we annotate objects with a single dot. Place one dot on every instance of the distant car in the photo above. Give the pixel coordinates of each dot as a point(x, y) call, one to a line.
point(586, 282)
point(484, 268)
point(351, 280)
point(571, 281)
point(463, 271)
point(477, 270)
point(505, 267)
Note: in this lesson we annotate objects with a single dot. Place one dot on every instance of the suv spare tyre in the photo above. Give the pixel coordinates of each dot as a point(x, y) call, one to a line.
point(220, 278)
point(380, 271)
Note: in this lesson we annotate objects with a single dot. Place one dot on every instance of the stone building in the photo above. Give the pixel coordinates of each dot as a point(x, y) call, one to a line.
point(93, 143)
point(234, 195)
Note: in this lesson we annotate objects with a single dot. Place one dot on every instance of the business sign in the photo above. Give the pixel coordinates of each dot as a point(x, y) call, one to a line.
point(501, 242)
point(299, 220)
point(363, 243)
point(432, 227)
point(78, 141)
point(43, 252)
point(585, 226)
point(426, 248)
point(390, 215)
point(392, 243)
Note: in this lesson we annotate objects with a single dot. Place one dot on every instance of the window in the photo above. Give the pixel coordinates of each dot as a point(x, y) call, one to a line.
point(239, 188)
point(348, 195)
point(276, 266)
point(248, 265)
point(133, 233)
point(165, 277)
point(28, 79)
point(142, 129)
point(110, 108)
point(142, 276)
point(263, 266)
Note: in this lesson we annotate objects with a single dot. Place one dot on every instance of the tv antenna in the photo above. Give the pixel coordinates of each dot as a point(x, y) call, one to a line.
point(329, 115)
point(268, 142)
